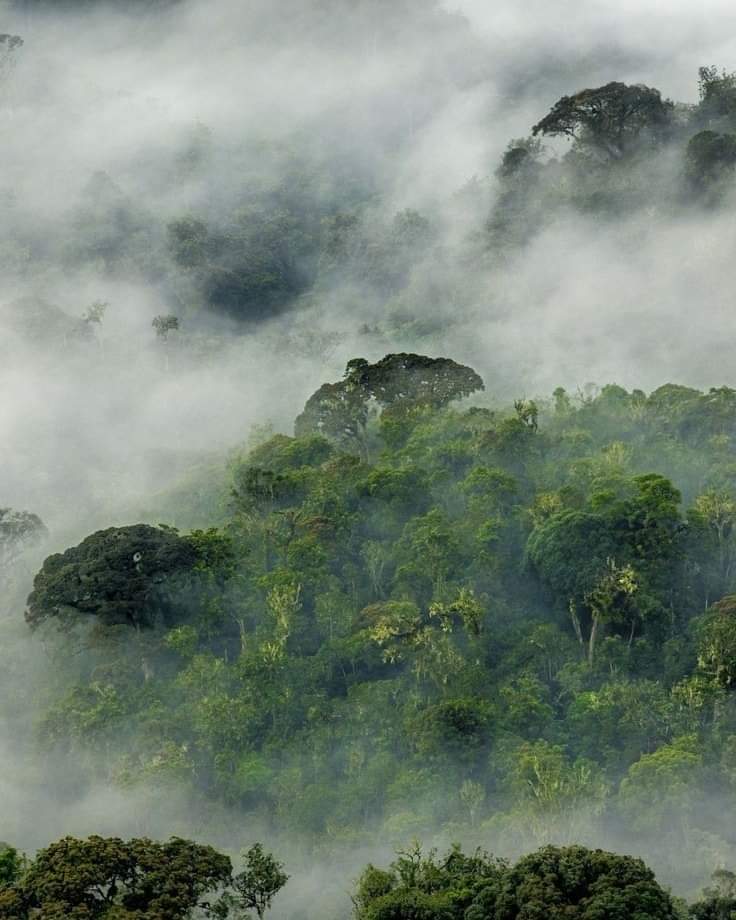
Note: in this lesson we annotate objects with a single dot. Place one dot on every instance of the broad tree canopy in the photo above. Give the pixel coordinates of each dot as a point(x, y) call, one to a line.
point(608, 119)
point(118, 574)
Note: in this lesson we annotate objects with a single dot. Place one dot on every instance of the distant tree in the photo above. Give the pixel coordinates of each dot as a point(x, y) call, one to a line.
point(527, 412)
point(11, 865)
point(164, 326)
point(415, 379)
point(712, 540)
point(609, 119)
point(553, 791)
point(119, 575)
point(717, 90)
point(657, 792)
point(472, 795)
point(95, 313)
point(340, 411)
point(601, 563)
point(188, 242)
point(10, 45)
point(259, 882)
point(520, 159)
point(716, 637)
point(19, 531)
point(718, 901)
point(710, 157)
point(611, 598)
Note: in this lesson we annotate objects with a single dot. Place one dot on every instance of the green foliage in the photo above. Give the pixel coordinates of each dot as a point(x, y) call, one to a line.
point(11, 865)
point(717, 642)
point(259, 882)
point(492, 621)
point(573, 882)
point(569, 883)
point(119, 575)
point(398, 383)
point(110, 878)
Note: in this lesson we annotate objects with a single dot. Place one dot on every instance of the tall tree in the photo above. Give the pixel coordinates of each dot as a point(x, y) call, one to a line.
point(610, 119)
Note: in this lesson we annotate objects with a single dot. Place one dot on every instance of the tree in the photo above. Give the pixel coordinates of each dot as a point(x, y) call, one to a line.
point(716, 633)
point(709, 157)
point(574, 883)
point(570, 550)
point(340, 411)
point(599, 562)
point(188, 242)
point(19, 531)
point(717, 90)
point(719, 901)
point(657, 791)
point(712, 539)
point(410, 379)
point(259, 882)
point(164, 326)
point(425, 887)
point(527, 413)
point(610, 598)
point(609, 119)
point(11, 865)
point(10, 45)
point(555, 883)
point(102, 877)
point(120, 575)
point(95, 313)
point(472, 795)
point(553, 792)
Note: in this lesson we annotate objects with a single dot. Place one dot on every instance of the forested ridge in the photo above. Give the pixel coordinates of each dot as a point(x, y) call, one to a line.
point(513, 623)
point(297, 559)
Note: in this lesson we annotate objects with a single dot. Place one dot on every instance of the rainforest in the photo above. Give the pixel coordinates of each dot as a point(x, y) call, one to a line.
point(368, 461)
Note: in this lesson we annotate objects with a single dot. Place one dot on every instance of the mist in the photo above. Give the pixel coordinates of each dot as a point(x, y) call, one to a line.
point(119, 120)
point(415, 115)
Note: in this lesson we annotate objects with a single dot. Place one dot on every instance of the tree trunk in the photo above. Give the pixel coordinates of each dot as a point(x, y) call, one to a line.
point(576, 625)
point(592, 639)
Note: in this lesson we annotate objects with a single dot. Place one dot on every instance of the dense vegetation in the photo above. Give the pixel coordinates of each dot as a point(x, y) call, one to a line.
point(139, 879)
point(431, 612)
point(114, 879)
point(516, 622)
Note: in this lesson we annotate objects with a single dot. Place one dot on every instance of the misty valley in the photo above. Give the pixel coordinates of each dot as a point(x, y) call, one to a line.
point(330, 585)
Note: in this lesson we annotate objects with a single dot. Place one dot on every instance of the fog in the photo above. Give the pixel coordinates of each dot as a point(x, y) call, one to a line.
point(176, 109)
point(420, 110)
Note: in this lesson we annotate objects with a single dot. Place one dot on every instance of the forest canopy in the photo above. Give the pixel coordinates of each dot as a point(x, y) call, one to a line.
point(451, 593)
point(516, 618)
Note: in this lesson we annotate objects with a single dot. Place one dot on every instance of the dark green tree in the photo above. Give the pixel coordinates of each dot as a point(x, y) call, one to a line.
point(610, 119)
point(574, 883)
point(120, 575)
point(102, 877)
